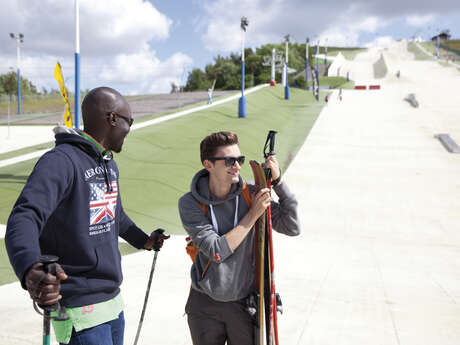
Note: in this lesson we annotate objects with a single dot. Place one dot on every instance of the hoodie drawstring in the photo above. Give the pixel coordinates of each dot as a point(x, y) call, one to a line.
point(214, 220)
point(107, 157)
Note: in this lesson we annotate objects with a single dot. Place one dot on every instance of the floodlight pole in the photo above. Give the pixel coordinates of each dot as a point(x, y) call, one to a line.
point(306, 63)
point(242, 100)
point(19, 39)
point(286, 87)
point(77, 65)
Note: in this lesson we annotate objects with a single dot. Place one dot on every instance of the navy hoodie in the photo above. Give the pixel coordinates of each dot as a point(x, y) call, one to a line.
point(71, 207)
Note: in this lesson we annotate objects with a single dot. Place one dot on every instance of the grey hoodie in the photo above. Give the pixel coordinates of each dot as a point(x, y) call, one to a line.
point(230, 275)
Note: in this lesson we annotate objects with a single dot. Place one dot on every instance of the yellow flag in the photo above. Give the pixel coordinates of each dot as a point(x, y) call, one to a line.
point(60, 80)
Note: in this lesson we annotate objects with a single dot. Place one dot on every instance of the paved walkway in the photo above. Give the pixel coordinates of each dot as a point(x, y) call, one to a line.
point(378, 261)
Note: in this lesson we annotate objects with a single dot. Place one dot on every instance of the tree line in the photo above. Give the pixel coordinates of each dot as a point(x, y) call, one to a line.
point(227, 70)
point(9, 85)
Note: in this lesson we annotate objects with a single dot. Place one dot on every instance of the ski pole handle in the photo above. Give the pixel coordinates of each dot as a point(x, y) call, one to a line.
point(49, 263)
point(270, 142)
point(49, 266)
point(156, 239)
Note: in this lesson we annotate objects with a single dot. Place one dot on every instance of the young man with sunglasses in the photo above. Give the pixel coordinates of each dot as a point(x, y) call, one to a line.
point(219, 221)
point(70, 207)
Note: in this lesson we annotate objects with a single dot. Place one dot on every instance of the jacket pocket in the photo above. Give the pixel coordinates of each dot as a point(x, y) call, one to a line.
point(107, 275)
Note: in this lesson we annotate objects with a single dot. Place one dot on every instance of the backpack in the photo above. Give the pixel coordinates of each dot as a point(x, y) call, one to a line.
point(190, 248)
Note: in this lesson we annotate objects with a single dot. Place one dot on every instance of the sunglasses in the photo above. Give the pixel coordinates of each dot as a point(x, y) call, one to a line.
point(229, 161)
point(129, 120)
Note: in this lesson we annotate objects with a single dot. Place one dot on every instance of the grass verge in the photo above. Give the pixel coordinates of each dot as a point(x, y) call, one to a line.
point(418, 53)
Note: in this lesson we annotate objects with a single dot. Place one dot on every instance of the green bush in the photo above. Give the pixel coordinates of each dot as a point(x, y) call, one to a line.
point(300, 81)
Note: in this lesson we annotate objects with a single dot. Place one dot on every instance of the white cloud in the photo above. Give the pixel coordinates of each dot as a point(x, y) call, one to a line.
point(269, 20)
point(380, 41)
point(369, 24)
point(222, 23)
point(145, 72)
point(418, 21)
point(114, 41)
point(106, 26)
point(342, 22)
point(348, 33)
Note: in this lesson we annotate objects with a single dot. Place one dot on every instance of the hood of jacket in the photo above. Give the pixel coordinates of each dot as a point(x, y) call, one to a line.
point(200, 189)
point(65, 135)
point(73, 137)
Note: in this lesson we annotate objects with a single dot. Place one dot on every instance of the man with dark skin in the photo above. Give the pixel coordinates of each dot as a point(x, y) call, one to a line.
point(71, 207)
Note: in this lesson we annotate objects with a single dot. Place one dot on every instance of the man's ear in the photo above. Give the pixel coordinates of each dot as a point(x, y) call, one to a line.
point(112, 120)
point(207, 164)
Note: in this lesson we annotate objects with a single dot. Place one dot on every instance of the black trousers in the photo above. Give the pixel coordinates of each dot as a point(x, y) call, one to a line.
point(214, 323)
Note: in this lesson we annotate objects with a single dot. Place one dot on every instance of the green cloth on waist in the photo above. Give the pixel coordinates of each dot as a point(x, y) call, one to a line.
point(87, 316)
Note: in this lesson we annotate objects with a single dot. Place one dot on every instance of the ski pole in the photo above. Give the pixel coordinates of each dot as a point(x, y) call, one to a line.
point(272, 334)
point(152, 269)
point(49, 266)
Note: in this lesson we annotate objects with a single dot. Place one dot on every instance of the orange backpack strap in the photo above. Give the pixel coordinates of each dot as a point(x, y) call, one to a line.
point(191, 249)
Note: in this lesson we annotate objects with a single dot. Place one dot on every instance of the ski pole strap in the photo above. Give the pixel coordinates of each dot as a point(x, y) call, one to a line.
point(274, 183)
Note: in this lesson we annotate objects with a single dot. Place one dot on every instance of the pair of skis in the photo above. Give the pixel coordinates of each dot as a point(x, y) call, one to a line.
point(268, 302)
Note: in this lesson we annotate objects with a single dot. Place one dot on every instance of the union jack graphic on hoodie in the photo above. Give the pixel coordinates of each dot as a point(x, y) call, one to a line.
point(102, 203)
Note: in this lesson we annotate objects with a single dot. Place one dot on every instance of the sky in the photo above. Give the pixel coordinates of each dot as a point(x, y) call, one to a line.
point(142, 46)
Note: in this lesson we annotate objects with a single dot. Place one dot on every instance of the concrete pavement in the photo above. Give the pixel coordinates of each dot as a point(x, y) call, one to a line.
point(378, 261)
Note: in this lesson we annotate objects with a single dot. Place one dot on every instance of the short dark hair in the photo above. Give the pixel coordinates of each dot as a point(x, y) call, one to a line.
point(212, 142)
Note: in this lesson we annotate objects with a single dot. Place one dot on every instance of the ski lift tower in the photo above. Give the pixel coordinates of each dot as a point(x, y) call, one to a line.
point(242, 100)
point(272, 75)
point(286, 88)
point(275, 61)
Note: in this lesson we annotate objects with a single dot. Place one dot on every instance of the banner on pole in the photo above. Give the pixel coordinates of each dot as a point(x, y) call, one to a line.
point(315, 86)
point(60, 80)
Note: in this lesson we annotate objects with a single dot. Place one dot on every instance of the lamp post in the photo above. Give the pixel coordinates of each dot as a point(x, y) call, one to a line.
point(286, 88)
point(77, 65)
point(19, 39)
point(242, 100)
point(306, 62)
